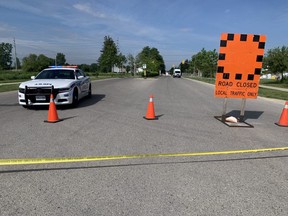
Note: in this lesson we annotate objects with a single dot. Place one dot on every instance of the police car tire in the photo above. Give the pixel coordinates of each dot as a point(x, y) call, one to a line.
point(75, 98)
point(89, 92)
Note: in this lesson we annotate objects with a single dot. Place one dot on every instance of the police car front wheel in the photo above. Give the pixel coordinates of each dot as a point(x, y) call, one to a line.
point(89, 92)
point(75, 98)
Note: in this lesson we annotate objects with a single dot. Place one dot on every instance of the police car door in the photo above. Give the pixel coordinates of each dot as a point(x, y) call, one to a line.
point(83, 81)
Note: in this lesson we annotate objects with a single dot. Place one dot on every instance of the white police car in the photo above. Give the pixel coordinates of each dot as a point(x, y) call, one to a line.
point(67, 83)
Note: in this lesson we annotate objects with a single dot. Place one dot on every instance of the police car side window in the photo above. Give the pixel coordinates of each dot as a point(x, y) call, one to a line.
point(80, 73)
point(83, 73)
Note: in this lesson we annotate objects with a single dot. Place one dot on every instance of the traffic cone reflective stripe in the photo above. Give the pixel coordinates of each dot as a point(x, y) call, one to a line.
point(283, 121)
point(52, 113)
point(150, 114)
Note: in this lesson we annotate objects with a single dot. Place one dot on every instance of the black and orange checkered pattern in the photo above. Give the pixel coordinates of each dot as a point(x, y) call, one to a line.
point(239, 65)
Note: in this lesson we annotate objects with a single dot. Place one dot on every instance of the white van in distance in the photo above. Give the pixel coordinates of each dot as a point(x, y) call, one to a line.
point(176, 73)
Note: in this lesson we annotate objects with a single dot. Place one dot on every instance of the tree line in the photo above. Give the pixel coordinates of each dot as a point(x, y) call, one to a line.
point(110, 58)
point(203, 63)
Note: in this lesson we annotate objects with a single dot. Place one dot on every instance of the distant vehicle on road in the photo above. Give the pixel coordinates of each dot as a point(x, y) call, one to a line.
point(176, 73)
point(67, 83)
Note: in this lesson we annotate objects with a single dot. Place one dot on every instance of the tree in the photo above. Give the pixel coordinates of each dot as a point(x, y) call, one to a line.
point(43, 62)
point(277, 60)
point(121, 60)
point(204, 62)
point(60, 59)
point(192, 65)
point(184, 66)
point(152, 58)
point(18, 63)
point(36, 63)
point(109, 56)
point(85, 67)
point(5, 56)
point(93, 67)
point(131, 62)
point(29, 63)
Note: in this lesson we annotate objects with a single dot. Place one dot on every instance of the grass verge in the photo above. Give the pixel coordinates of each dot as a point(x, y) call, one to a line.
point(13, 87)
point(10, 87)
point(263, 92)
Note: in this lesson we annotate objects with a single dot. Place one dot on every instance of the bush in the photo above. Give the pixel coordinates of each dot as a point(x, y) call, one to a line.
point(16, 75)
point(150, 74)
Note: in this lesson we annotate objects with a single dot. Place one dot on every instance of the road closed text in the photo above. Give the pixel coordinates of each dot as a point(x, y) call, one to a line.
point(229, 89)
point(237, 84)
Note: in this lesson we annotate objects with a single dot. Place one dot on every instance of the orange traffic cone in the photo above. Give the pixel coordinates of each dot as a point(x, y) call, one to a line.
point(283, 121)
point(150, 115)
point(52, 113)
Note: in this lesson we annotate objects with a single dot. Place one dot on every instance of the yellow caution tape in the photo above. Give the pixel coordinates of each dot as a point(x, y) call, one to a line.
point(21, 161)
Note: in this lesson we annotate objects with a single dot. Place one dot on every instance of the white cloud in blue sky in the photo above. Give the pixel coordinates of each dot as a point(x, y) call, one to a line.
point(178, 29)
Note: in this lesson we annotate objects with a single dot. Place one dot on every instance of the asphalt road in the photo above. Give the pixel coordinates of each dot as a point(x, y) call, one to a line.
point(111, 123)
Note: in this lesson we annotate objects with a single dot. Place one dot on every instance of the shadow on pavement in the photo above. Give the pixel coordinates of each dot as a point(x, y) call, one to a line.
point(247, 114)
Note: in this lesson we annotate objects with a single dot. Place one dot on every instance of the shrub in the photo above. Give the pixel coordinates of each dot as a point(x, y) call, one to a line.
point(150, 74)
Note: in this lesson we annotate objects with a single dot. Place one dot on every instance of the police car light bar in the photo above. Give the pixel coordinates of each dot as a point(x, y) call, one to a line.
point(69, 66)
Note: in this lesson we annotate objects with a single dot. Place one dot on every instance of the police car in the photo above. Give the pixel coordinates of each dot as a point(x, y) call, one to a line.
point(68, 84)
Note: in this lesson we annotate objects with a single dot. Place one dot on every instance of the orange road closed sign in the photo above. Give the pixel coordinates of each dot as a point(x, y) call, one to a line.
point(239, 65)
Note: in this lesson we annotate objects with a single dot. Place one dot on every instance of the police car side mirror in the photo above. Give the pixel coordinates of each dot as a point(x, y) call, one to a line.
point(32, 77)
point(80, 77)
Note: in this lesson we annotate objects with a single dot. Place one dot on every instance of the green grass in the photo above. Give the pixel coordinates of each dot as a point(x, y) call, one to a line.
point(8, 76)
point(11, 87)
point(275, 83)
point(263, 92)
point(271, 93)
point(18, 76)
point(204, 79)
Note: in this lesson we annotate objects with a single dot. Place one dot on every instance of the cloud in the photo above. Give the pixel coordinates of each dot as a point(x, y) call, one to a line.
point(18, 5)
point(86, 8)
point(116, 24)
point(6, 28)
point(185, 30)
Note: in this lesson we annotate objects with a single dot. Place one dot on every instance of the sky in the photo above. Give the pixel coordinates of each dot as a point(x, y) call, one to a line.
point(177, 28)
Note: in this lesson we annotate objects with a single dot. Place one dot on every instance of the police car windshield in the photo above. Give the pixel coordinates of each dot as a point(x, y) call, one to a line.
point(56, 74)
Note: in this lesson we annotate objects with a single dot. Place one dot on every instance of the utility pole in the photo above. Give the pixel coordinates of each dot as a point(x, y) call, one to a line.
point(16, 65)
point(134, 69)
point(117, 46)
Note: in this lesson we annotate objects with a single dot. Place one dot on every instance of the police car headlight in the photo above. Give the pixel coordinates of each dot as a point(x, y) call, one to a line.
point(61, 90)
point(22, 90)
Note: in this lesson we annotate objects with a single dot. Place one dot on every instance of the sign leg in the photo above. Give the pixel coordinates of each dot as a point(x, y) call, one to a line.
point(224, 109)
point(242, 111)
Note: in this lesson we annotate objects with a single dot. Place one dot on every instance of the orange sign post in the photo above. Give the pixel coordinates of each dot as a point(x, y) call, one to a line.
point(239, 66)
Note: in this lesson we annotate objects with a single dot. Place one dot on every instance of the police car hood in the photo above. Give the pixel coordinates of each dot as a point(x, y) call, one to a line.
point(57, 83)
